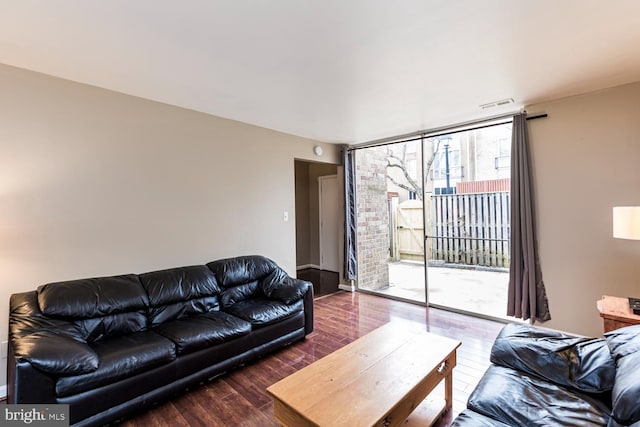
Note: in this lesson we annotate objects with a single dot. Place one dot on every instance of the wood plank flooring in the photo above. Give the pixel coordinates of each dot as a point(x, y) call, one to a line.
point(239, 398)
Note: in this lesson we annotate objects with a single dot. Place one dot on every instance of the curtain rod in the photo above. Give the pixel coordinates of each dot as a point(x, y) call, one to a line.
point(416, 135)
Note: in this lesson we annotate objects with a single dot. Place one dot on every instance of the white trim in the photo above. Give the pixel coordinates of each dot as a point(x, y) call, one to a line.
point(305, 266)
point(3, 391)
point(348, 288)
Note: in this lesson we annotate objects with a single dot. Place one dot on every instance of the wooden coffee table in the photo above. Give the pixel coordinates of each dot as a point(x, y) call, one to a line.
point(378, 380)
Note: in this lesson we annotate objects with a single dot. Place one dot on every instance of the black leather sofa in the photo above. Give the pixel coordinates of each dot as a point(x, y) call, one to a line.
point(547, 378)
point(111, 346)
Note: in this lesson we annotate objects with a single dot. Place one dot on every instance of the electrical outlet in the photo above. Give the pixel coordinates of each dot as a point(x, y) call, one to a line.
point(286, 216)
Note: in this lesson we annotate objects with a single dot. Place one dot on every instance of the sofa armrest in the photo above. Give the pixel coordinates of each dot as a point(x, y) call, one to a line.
point(308, 309)
point(278, 285)
point(26, 384)
point(584, 364)
point(291, 290)
point(49, 344)
point(55, 354)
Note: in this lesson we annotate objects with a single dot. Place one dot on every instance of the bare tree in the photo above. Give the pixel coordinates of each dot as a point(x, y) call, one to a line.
point(399, 161)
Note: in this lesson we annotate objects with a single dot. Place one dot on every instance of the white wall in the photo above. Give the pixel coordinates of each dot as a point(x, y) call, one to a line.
point(95, 183)
point(586, 158)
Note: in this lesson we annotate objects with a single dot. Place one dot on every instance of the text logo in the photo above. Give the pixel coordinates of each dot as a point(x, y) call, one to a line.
point(35, 415)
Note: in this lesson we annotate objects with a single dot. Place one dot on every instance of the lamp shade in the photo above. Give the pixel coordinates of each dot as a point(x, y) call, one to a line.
point(626, 222)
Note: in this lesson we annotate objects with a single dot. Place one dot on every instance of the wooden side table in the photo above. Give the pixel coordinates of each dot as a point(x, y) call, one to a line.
point(616, 313)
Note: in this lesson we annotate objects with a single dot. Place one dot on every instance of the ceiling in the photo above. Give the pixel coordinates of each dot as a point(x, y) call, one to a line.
point(332, 70)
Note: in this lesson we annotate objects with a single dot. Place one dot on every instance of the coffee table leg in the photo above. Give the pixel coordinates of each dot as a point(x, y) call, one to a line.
point(448, 391)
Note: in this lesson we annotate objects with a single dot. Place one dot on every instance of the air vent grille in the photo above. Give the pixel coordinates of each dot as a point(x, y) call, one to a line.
point(497, 103)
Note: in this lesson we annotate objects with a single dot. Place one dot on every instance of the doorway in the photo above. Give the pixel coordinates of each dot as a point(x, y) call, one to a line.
point(318, 216)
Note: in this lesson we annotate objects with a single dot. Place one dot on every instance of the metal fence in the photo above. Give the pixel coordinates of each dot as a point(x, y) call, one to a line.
point(471, 229)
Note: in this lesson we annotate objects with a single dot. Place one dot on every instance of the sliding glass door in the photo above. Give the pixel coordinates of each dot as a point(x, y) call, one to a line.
point(437, 208)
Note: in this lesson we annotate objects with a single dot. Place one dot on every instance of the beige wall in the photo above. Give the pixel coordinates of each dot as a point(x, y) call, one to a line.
point(302, 213)
point(586, 157)
point(94, 183)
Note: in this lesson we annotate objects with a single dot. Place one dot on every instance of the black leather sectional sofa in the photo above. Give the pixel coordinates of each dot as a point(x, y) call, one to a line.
point(110, 346)
point(547, 378)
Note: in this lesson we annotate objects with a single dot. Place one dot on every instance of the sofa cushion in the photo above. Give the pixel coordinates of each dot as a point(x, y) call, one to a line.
point(263, 311)
point(624, 344)
point(204, 330)
point(518, 399)
point(179, 310)
point(468, 418)
point(179, 292)
point(624, 341)
point(243, 269)
point(96, 297)
point(120, 357)
point(97, 328)
point(584, 364)
point(235, 294)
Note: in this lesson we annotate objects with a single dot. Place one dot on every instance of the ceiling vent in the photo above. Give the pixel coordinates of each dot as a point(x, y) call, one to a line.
point(497, 103)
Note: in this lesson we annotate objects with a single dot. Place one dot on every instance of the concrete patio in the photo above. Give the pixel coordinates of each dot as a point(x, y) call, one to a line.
point(479, 291)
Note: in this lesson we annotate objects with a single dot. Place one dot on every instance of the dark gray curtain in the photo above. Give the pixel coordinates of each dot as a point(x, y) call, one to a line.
point(527, 298)
point(350, 259)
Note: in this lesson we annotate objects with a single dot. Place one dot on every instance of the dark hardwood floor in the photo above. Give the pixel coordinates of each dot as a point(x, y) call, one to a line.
point(239, 398)
point(324, 282)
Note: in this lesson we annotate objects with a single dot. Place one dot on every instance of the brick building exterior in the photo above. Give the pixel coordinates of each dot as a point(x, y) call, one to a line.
point(373, 219)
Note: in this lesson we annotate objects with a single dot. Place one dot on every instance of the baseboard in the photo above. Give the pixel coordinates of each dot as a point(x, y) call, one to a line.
point(3, 391)
point(307, 266)
point(348, 288)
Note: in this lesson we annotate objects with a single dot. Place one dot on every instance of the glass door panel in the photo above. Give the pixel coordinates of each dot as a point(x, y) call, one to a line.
point(389, 211)
point(467, 218)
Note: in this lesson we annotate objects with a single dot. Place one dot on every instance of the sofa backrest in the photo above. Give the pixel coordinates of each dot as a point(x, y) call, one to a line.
point(240, 277)
point(100, 307)
point(106, 306)
point(180, 292)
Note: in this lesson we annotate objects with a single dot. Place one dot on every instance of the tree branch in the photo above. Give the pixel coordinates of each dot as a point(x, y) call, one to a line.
point(400, 162)
point(405, 186)
point(417, 188)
